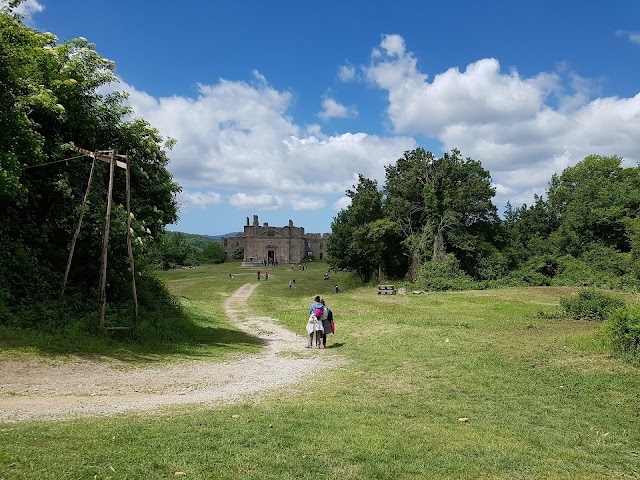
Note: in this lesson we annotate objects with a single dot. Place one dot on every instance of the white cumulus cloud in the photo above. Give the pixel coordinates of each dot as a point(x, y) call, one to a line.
point(521, 129)
point(199, 199)
point(342, 203)
point(332, 109)
point(346, 73)
point(261, 201)
point(239, 138)
point(27, 9)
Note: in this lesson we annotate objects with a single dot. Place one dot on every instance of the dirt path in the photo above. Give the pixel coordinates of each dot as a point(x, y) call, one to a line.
point(31, 389)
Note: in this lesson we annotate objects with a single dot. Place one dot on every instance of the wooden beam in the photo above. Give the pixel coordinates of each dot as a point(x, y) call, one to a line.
point(108, 156)
point(99, 156)
point(75, 236)
point(105, 248)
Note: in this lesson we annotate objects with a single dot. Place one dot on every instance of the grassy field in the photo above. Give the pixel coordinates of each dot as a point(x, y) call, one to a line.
point(542, 398)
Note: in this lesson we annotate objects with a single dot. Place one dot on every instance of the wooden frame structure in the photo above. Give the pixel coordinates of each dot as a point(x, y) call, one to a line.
point(114, 160)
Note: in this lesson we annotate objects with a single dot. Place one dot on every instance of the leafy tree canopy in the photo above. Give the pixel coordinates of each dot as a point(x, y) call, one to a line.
point(50, 97)
point(349, 246)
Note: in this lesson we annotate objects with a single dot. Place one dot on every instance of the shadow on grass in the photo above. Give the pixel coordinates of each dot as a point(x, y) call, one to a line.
point(169, 339)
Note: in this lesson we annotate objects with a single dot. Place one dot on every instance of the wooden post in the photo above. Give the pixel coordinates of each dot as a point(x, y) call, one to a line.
point(113, 160)
point(105, 244)
point(129, 249)
point(75, 236)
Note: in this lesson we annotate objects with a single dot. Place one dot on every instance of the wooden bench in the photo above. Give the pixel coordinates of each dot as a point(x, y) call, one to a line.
point(386, 289)
point(119, 331)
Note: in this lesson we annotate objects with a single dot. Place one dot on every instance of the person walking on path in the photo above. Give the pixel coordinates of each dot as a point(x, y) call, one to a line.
point(314, 325)
point(327, 323)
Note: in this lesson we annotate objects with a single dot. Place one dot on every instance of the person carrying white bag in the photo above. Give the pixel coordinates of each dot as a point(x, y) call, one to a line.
point(314, 324)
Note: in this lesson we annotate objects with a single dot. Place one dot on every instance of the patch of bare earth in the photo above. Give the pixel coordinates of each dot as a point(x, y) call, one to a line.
point(31, 389)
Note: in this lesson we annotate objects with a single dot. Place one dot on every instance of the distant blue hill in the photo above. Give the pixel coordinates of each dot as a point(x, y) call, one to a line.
point(197, 238)
point(218, 237)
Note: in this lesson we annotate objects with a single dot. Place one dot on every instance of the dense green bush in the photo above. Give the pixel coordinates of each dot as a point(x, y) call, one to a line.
point(537, 271)
point(238, 253)
point(623, 327)
point(492, 265)
point(575, 272)
point(51, 97)
point(597, 266)
point(590, 304)
point(445, 275)
point(212, 253)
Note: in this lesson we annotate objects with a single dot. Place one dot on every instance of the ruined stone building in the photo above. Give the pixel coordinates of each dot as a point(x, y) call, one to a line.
point(285, 244)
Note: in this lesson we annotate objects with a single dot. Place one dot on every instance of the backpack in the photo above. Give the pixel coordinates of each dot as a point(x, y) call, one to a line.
point(317, 312)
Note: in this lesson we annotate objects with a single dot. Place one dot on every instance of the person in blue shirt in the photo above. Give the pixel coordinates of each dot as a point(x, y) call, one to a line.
point(314, 325)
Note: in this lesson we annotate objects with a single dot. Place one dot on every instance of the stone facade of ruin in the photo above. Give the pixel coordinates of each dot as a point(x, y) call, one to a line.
point(284, 244)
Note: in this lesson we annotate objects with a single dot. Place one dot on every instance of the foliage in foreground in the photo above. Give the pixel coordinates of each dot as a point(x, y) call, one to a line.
point(590, 304)
point(622, 321)
point(172, 325)
point(623, 327)
point(49, 99)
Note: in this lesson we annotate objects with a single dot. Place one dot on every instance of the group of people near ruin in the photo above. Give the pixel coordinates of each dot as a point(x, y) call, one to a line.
point(320, 323)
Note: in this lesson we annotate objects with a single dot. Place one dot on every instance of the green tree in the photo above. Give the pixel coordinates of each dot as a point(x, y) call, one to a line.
point(356, 239)
point(443, 205)
point(457, 199)
point(527, 230)
point(50, 98)
point(633, 234)
point(174, 249)
point(238, 253)
point(592, 202)
point(212, 253)
point(458, 206)
point(583, 234)
point(404, 203)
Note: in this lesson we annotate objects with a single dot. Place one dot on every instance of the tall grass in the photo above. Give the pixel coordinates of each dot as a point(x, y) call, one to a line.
point(541, 398)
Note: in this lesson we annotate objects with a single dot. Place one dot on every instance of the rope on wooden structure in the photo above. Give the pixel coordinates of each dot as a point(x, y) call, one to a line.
point(102, 281)
point(75, 236)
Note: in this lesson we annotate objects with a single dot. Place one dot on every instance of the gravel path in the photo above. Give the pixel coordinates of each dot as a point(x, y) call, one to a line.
point(31, 389)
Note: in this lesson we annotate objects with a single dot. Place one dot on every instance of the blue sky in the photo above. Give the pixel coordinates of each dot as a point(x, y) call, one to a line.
point(278, 105)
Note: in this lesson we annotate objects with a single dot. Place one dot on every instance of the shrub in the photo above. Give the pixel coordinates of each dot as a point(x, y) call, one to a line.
point(492, 266)
point(597, 266)
point(212, 253)
point(623, 328)
point(444, 275)
point(537, 271)
point(590, 304)
point(575, 272)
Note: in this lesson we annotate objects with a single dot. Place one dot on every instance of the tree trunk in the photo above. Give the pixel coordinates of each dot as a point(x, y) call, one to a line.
point(438, 246)
point(413, 265)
